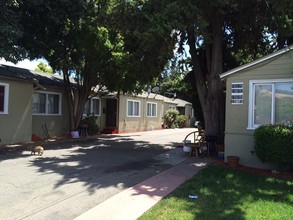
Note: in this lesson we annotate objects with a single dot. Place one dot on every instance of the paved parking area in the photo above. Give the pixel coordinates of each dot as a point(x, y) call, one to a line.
point(73, 176)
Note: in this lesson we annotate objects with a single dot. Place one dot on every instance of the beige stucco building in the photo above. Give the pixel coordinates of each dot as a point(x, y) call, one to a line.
point(33, 104)
point(28, 101)
point(260, 92)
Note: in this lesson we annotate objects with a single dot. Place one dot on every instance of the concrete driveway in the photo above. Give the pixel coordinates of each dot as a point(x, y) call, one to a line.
point(75, 175)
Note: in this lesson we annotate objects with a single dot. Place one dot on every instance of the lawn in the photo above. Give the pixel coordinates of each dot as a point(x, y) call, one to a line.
point(224, 193)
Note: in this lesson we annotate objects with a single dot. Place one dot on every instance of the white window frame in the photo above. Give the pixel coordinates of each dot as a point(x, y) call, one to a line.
point(252, 84)
point(133, 110)
point(6, 98)
point(153, 105)
point(91, 106)
point(47, 103)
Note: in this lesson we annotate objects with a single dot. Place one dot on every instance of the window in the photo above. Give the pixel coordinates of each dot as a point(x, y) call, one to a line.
point(92, 106)
point(271, 102)
point(172, 107)
point(133, 108)
point(47, 103)
point(151, 109)
point(4, 90)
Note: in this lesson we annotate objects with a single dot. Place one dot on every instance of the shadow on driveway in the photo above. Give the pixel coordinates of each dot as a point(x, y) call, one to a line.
point(82, 172)
point(101, 162)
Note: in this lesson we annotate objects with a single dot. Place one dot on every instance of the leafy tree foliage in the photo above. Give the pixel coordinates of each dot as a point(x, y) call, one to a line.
point(42, 67)
point(126, 44)
point(220, 33)
point(74, 37)
point(90, 41)
point(10, 31)
point(147, 45)
point(172, 78)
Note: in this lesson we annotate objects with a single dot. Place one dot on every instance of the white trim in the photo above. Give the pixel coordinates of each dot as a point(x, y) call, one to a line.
point(47, 103)
point(252, 83)
point(134, 101)
point(6, 98)
point(91, 106)
point(156, 106)
point(260, 60)
point(172, 107)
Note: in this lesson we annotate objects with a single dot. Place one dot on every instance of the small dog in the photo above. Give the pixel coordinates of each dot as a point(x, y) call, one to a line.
point(38, 149)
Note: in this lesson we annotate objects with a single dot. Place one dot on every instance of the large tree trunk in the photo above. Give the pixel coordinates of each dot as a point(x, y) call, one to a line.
point(208, 83)
point(77, 97)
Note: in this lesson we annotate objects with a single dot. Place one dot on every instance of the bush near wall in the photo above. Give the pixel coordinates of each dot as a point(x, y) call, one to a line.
point(170, 117)
point(90, 121)
point(181, 121)
point(274, 144)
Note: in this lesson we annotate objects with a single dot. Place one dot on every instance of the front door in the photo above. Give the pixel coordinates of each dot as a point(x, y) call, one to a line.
point(111, 112)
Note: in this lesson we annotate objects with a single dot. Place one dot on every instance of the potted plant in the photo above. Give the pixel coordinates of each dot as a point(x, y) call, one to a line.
point(233, 161)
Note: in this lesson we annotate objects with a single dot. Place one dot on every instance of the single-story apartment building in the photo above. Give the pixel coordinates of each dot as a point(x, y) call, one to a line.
point(33, 103)
point(257, 93)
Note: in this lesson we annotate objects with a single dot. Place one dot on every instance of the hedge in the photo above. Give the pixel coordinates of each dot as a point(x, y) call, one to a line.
point(274, 144)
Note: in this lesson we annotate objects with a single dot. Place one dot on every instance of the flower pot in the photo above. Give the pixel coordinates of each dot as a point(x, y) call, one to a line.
point(233, 161)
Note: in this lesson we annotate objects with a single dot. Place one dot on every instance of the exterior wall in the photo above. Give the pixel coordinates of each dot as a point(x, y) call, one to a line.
point(58, 125)
point(187, 111)
point(189, 114)
point(141, 123)
point(239, 140)
point(16, 126)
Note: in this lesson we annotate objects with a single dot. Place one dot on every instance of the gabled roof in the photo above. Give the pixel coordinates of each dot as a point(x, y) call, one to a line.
point(260, 60)
point(181, 103)
point(155, 96)
point(44, 79)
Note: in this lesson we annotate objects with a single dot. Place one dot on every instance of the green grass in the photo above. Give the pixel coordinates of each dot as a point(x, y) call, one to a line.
point(224, 193)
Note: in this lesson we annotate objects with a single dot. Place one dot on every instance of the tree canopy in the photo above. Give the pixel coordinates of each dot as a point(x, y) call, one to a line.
point(125, 44)
point(89, 41)
point(10, 31)
point(42, 67)
point(221, 34)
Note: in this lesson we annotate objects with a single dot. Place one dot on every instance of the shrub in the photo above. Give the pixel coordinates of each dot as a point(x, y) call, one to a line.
point(181, 121)
point(274, 144)
point(90, 121)
point(170, 117)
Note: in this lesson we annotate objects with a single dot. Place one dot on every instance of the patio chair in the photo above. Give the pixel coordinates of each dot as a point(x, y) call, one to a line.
point(198, 142)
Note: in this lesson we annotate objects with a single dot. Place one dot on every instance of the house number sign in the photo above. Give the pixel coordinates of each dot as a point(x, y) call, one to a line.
point(237, 93)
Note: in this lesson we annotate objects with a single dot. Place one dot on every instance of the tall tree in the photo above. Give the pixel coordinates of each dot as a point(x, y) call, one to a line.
point(88, 41)
point(220, 34)
point(74, 38)
point(217, 30)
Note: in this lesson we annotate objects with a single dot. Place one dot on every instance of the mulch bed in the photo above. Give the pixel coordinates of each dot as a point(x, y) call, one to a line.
point(258, 171)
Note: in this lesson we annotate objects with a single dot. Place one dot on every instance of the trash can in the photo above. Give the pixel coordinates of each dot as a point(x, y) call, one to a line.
point(186, 148)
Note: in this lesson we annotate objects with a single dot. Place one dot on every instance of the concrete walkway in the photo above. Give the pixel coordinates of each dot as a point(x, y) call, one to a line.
point(134, 201)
